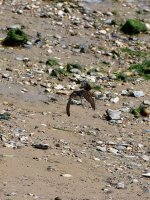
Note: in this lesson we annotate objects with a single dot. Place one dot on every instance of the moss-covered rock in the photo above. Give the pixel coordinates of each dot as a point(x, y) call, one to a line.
point(58, 72)
point(52, 62)
point(15, 37)
point(133, 26)
point(92, 71)
point(71, 66)
point(142, 69)
point(5, 116)
point(141, 111)
point(136, 111)
point(121, 77)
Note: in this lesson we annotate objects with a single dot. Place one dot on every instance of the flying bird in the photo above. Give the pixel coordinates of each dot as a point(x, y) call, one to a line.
point(85, 92)
point(85, 85)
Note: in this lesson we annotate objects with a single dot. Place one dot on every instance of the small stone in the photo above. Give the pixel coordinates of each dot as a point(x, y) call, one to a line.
point(146, 102)
point(19, 58)
point(20, 12)
point(5, 75)
point(52, 98)
point(58, 198)
point(125, 109)
point(41, 146)
point(146, 158)
point(83, 48)
point(60, 13)
point(24, 90)
point(77, 71)
point(99, 142)
point(120, 148)
point(113, 150)
point(59, 87)
point(124, 92)
point(114, 114)
point(96, 159)
point(109, 21)
point(79, 160)
point(103, 32)
point(120, 185)
point(67, 175)
point(15, 26)
point(11, 194)
point(135, 181)
point(138, 94)
point(146, 175)
point(103, 149)
point(108, 13)
point(145, 111)
point(147, 26)
point(114, 100)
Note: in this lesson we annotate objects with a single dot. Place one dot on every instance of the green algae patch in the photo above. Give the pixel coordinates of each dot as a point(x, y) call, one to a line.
point(52, 62)
point(121, 76)
point(133, 26)
point(137, 111)
point(15, 37)
point(71, 66)
point(135, 53)
point(58, 72)
point(142, 110)
point(5, 116)
point(142, 69)
point(96, 87)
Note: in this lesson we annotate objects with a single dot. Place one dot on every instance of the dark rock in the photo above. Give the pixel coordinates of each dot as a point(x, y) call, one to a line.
point(133, 26)
point(15, 37)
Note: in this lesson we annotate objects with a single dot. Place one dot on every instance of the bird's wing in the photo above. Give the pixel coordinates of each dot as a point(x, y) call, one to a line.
point(68, 107)
point(68, 103)
point(88, 96)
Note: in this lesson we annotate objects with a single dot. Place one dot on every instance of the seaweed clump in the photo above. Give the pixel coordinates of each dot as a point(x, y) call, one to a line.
point(15, 37)
point(133, 26)
point(52, 62)
point(71, 66)
point(142, 69)
point(141, 111)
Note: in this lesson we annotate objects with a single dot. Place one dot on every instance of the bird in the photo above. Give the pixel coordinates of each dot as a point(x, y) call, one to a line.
point(85, 92)
point(85, 85)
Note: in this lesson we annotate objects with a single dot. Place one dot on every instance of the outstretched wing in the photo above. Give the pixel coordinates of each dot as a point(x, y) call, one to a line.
point(88, 96)
point(69, 102)
point(68, 106)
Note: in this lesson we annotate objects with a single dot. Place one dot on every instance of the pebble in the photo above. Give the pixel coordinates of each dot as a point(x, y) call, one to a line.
point(113, 150)
point(135, 181)
point(103, 149)
point(138, 94)
point(104, 32)
point(146, 102)
point(114, 100)
point(146, 158)
point(120, 185)
point(146, 174)
point(41, 146)
point(6, 75)
point(67, 175)
point(58, 198)
point(114, 114)
point(59, 87)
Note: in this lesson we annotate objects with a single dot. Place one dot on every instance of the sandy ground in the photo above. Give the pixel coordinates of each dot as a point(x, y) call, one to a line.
point(28, 173)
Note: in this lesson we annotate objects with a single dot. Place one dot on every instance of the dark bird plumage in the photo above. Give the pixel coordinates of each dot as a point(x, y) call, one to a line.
point(85, 92)
point(86, 86)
